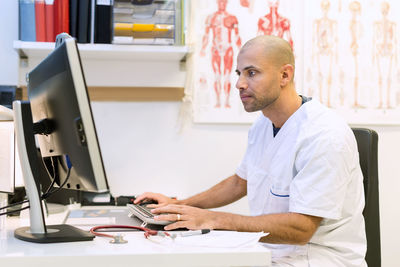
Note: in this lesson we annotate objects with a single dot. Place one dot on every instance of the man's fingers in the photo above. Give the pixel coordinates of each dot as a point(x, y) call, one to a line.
point(137, 200)
point(147, 197)
point(154, 206)
point(172, 217)
point(170, 208)
point(141, 198)
point(176, 225)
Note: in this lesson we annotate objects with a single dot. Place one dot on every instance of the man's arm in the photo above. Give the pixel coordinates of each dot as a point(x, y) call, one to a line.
point(229, 190)
point(284, 228)
point(223, 193)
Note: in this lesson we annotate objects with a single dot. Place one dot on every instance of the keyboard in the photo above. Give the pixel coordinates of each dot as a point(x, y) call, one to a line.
point(144, 214)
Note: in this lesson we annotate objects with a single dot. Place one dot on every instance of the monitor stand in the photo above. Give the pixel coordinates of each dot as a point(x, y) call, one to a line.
point(32, 169)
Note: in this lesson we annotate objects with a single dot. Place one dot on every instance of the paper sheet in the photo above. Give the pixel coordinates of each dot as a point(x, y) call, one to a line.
point(216, 239)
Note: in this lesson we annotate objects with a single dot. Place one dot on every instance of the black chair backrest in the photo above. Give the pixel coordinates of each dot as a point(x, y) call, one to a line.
point(367, 142)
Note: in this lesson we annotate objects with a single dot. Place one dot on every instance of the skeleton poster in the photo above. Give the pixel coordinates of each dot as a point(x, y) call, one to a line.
point(353, 50)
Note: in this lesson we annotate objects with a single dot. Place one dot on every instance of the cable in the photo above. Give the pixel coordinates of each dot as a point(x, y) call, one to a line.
point(13, 211)
point(147, 232)
point(44, 196)
point(53, 177)
point(14, 204)
point(48, 194)
point(50, 187)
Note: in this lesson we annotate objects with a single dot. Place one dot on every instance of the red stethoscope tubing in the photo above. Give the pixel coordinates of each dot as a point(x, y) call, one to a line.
point(147, 232)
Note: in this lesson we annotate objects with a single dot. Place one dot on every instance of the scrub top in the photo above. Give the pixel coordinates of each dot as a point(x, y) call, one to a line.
point(310, 167)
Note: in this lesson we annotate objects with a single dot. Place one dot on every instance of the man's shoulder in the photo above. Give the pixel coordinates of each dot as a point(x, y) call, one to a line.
point(318, 113)
point(324, 125)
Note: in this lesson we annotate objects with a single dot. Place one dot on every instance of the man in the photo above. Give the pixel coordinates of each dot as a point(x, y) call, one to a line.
point(300, 172)
point(224, 27)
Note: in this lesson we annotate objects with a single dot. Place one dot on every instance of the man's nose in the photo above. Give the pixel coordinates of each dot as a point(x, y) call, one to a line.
point(241, 83)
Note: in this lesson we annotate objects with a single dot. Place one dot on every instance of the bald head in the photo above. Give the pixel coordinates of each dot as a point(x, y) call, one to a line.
point(276, 51)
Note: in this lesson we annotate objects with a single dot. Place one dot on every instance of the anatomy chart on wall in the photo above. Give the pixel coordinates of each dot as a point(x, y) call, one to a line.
point(352, 65)
point(221, 27)
point(346, 54)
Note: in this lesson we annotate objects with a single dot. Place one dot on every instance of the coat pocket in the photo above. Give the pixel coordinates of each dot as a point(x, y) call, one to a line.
point(278, 200)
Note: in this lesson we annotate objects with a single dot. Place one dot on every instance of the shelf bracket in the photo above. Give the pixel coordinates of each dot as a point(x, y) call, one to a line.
point(23, 58)
point(182, 63)
point(22, 54)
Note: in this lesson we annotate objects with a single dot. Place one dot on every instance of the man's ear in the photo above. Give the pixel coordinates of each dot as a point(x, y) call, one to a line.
point(287, 72)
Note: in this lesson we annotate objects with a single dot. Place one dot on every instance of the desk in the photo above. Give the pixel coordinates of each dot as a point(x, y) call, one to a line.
point(137, 252)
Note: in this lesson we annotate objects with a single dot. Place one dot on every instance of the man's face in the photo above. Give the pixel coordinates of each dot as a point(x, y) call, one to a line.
point(258, 81)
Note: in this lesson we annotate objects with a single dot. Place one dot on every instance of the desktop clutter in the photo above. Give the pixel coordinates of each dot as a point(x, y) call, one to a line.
point(105, 216)
point(136, 214)
point(143, 212)
point(193, 238)
point(153, 229)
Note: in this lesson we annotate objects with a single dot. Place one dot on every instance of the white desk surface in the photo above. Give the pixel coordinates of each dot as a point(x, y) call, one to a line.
point(137, 252)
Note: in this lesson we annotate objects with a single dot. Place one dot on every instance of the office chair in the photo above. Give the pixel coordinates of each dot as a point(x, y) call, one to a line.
point(367, 142)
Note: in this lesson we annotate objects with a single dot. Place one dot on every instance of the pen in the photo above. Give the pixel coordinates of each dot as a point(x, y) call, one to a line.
point(196, 232)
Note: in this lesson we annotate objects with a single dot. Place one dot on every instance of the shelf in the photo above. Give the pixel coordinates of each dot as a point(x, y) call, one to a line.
point(109, 65)
point(108, 51)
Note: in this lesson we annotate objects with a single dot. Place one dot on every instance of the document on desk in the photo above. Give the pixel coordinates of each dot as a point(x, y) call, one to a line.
point(218, 239)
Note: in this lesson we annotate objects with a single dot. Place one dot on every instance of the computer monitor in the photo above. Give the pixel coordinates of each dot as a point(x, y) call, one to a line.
point(59, 115)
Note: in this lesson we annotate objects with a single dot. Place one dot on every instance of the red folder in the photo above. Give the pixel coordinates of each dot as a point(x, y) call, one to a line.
point(49, 10)
point(65, 16)
point(40, 21)
point(57, 17)
point(61, 16)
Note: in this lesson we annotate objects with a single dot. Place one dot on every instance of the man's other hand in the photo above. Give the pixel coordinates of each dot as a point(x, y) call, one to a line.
point(154, 197)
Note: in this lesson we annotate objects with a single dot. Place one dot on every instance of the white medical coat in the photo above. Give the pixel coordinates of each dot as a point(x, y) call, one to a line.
point(310, 167)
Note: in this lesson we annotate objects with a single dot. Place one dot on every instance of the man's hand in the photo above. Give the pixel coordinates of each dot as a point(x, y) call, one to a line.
point(186, 217)
point(159, 198)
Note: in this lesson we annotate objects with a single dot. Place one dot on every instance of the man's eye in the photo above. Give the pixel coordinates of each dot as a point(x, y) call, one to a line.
point(252, 73)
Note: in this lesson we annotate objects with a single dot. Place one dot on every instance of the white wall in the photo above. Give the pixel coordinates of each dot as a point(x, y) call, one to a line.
point(8, 33)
